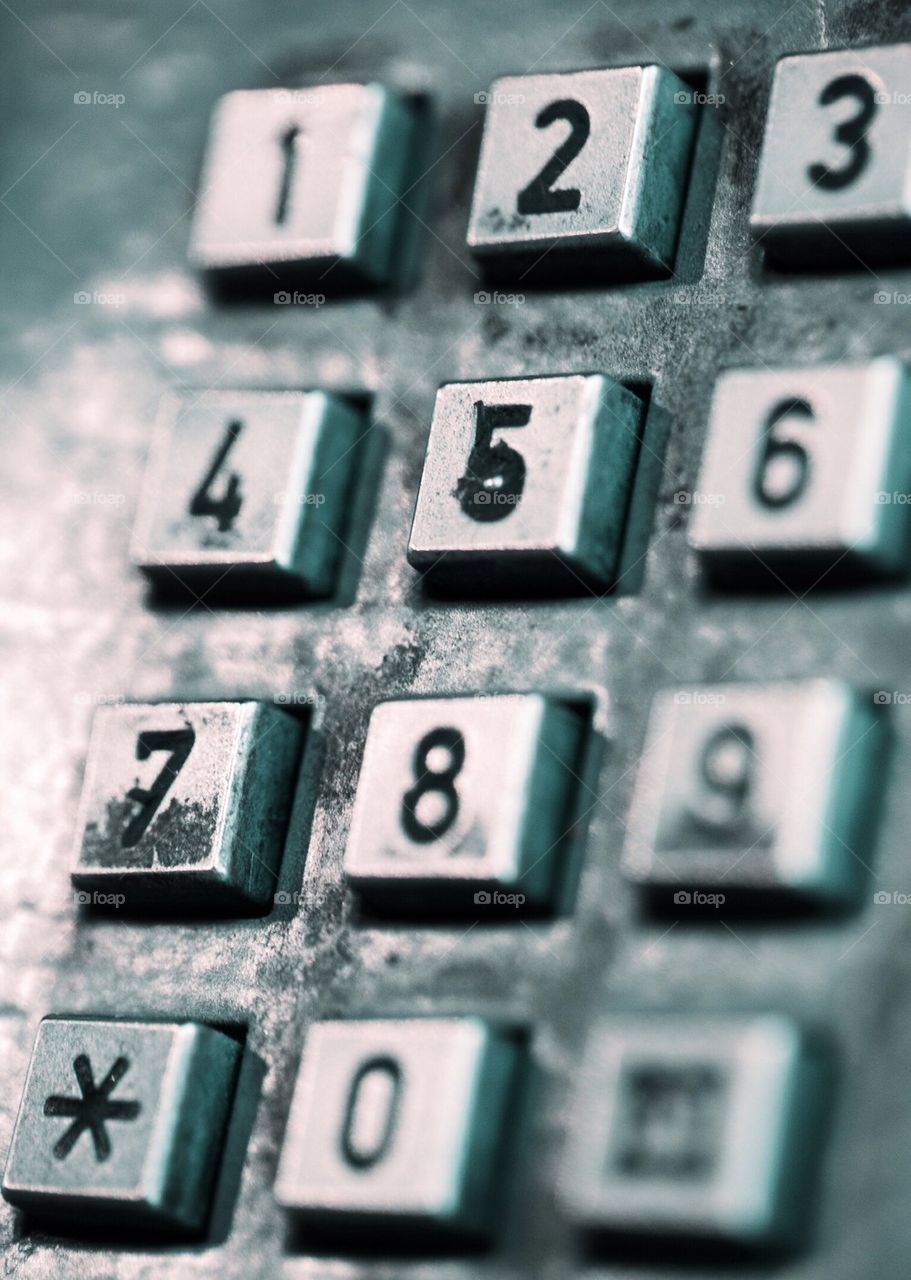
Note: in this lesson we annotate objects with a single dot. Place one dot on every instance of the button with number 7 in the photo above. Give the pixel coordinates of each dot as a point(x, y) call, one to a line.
point(246, 493)
point(466, 803)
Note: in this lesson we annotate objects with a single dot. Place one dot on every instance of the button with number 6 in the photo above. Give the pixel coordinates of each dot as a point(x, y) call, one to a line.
point(246, 493)
point(466, 803)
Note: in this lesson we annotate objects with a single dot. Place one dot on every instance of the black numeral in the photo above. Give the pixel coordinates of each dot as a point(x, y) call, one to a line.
point(725, 771)
point(439, 781)
point(363, 1151)
point(180, 743)
point(226, 508)
point(850, 133)
point(783, 467)
point(289, 144)
point(494, 479)
point(539, 196)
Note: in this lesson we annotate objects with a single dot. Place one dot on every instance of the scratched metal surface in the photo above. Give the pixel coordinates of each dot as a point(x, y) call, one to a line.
point(97, 199)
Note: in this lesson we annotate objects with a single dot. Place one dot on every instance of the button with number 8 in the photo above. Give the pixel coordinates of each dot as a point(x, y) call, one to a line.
point(465, 803)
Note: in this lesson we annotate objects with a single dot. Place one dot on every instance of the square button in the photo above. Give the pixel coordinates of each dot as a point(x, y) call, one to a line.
point(527, 483)
point(246, 493)
point(748, 788)
point(185, 805)
point(465, 803)
point(399, 1124)
point(806, 475)
point(583, 171)
point(122, 1123)
point(834, 180)
point(697, 1128)
point(299, 182)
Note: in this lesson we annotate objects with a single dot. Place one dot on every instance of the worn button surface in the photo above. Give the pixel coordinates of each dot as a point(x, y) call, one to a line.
point(304, 184)
point(806, 476)
point(756, 787)
point(399, 1123)
point(834, 181)
point(702, 1128)
point(583, 172)
point(527, 482)
point(121, 1123)
point(185, 805)
point(465, 802)
point(246, 493)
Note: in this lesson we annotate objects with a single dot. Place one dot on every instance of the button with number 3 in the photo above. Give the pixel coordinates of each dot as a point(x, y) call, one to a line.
point(465, 803)
point(583, 173)
point(834, 180)
point(245, 493)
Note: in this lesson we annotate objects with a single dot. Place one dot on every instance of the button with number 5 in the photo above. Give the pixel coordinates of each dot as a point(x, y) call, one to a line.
point(246, 493)
point(583, 173)
point(834, 180)
point(807, 475)
point(466, 803)
point(527, 483)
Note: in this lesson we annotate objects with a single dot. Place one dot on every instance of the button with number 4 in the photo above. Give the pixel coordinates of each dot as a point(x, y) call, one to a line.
point(304, 185)
point(184, 805)
point(246, 493)
point(400, 1123)
point(527, 483)
point(583, 173)
point(834, 179)
point(465, 803)
point(807, 475)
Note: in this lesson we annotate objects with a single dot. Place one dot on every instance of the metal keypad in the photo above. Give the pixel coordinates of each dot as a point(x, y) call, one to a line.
point(246, 493)
point(527, 482)
point(304, 185)
point(587, 168)
point(184, 805)
point(703, 1129)
point(465, 802)
point(121, 1123)
point(756, 787)
point(835, 171)
point(399, 1123)
point(806, 475)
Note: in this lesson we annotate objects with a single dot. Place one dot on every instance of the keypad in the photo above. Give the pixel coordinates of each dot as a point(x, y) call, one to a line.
point(527, 482)
point(399, 1123)
point(121, 1124)
point(185, 805)
point(247, 493)
point(586, 169)
point(304, 185)
point(806, 475)
point(756, 788)
point(703, 1129)
point(465, 803)
point(835, 169)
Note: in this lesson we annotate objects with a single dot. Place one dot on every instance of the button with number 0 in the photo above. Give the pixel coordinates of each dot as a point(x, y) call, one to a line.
point(400, 1123)
point(527, 483)
point(835, 171)
point(807, 475)
point(184, 805)
point(122, 1123)
point(756, 788)
point(583, 172)
point(304, 184)
point(705, 1129)
point(464, 802)
point(246, 493)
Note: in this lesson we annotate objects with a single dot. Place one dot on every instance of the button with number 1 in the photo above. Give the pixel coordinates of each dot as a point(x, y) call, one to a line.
point(465, 803)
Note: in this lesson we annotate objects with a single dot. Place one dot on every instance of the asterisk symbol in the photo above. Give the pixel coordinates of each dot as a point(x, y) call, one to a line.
point(93, 1109)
